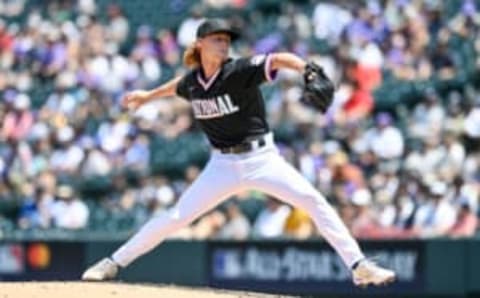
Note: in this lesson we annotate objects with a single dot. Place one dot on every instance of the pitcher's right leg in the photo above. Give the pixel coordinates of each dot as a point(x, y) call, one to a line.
point(215, 184)
point(276, 177)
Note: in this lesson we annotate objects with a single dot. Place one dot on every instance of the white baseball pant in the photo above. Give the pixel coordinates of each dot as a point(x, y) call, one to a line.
point(262, 169)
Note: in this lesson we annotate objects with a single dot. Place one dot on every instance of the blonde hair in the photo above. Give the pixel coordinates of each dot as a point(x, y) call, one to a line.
point(191, 56)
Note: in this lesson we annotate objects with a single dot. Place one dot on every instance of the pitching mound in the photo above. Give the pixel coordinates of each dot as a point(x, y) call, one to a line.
point(110, 290)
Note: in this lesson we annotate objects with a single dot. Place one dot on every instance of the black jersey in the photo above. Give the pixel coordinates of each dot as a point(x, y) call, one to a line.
point(229, 106)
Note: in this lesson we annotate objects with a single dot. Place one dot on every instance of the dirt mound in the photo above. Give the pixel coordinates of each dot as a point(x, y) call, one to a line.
point(111, 290)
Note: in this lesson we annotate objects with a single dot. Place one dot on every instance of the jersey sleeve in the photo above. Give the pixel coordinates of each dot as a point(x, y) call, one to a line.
point(182, 89)
point(253, 71)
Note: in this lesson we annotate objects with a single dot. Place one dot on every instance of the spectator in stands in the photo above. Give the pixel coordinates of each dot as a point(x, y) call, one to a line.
point(404, 206)
point(385, 140)
point(310, 162)
point(347, 213)
point(271, 220)
point(35, 210)
point(144, 54)
point(95, 161)
point(364, 224)
point(209, 225)
point(164, 193)
point(436, 216)
point(466, 222)
point(455, 115)
point(471, 168)
point(68, 156)
point(428, 159)
point(454, 156)
point(343, 174)
point(472, 128)
point(359, 105)
point(237, 226)
point(6, 39)
point(191, 173)
point(61, 102)
point(188, 28)
point(299, 225)
point(442, 61)
point(117, 27)
point(18, 122)
point(69, 212)
point(428, 116)
point(329, 21)
point(168, 47)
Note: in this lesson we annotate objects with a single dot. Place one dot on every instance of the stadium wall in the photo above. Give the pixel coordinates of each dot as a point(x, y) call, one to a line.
point(433, 268)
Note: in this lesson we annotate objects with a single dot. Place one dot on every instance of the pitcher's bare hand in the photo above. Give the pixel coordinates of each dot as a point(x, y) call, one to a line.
point(134, 99)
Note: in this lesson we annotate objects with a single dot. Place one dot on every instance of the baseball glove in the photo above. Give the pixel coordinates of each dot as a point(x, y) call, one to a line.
point(319, 89)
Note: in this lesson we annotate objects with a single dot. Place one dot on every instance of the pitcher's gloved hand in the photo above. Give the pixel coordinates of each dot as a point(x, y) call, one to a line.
point(319, 89)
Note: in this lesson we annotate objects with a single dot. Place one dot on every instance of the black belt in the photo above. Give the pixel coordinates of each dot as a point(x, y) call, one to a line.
point(246, 146)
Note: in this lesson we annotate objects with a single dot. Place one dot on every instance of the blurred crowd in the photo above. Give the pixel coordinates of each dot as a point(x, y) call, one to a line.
point(411, 171)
